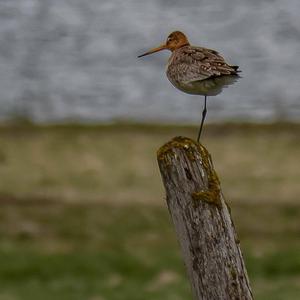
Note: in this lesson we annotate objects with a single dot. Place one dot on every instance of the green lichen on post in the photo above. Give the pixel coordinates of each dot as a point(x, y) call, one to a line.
point(194, 151)
point(177, 142)
point(212, 195)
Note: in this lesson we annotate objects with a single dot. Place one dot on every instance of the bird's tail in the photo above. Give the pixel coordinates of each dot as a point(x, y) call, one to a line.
point(236, 69)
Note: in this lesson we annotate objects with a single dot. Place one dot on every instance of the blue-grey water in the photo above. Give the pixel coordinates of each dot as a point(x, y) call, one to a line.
point(63, 60)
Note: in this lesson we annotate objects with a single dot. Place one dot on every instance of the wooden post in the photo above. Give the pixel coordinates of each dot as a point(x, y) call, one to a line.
point(203, 223)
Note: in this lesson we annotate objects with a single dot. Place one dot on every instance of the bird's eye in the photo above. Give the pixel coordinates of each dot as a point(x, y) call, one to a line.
point(169, 39)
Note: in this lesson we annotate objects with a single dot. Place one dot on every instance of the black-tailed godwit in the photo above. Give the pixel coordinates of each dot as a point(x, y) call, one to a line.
point(196, 70)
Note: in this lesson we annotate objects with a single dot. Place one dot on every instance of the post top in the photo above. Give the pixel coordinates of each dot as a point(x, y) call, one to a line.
point(185, 143)
point(195, 153)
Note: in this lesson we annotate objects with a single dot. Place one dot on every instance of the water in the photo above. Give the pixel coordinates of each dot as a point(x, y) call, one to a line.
point(63, 60)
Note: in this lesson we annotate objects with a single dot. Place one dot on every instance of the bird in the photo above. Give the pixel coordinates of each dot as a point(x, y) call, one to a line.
point(196, 70)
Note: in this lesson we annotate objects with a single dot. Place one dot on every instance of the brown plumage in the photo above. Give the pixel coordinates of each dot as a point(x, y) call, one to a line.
point(202, 71)
point(196, 70)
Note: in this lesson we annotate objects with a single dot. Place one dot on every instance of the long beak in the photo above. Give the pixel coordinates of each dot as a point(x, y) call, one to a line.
point(162, 47)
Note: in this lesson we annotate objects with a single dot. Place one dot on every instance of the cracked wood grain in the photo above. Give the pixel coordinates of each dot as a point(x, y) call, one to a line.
point(202, 222)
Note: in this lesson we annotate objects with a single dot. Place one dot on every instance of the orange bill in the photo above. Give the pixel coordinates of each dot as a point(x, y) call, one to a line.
point(162, 47)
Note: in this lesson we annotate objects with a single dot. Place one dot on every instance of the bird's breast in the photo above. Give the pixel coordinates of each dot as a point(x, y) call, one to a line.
point(179, 78)
point(209, 87)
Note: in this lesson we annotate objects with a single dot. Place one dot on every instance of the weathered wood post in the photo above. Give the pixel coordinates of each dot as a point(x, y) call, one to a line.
point(203, 223)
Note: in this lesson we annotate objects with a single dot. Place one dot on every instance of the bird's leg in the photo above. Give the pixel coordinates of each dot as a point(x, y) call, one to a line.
point(203, 118)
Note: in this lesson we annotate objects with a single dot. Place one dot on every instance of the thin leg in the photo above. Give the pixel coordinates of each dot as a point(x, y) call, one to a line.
point(203, 118)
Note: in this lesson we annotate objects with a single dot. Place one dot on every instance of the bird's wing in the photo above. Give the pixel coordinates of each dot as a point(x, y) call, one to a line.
point(197, 63)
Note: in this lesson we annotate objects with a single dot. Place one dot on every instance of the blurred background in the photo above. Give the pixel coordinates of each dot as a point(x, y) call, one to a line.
point(83, 214)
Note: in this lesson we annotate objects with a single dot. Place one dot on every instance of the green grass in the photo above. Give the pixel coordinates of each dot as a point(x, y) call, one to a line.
point(83, 213)
point(106, 251)
point(88, 251)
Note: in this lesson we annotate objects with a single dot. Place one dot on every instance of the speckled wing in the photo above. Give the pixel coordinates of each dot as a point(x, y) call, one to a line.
point(191, 64)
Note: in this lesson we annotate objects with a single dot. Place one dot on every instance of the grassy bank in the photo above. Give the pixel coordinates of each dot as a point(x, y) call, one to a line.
point(106, 251)
point(118, 163)
point(83, 215)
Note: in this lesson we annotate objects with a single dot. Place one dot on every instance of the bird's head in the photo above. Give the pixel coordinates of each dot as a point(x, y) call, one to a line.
point(175, 40)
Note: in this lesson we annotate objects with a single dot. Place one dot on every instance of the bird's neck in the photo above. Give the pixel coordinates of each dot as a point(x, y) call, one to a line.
point(183, 44)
